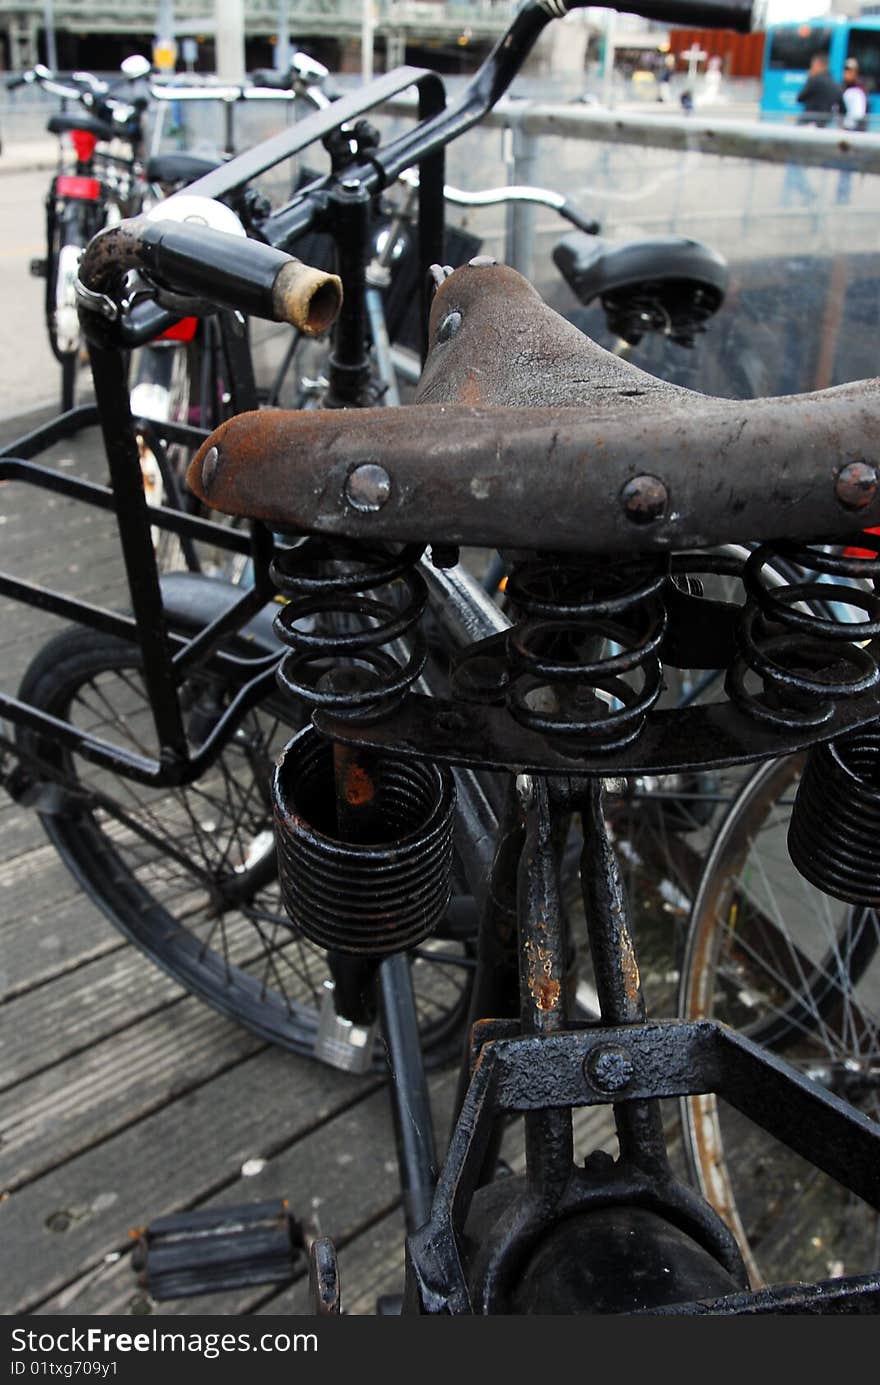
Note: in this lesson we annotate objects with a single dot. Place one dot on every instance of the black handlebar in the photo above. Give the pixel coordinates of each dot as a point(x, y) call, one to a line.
point(740, 15)
point(246, 274)
point(227, 270)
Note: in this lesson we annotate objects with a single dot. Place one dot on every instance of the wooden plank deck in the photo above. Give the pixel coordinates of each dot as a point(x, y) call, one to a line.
point(122, 1098)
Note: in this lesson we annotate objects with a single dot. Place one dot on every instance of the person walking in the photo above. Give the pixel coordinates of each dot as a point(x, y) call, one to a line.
point(821, 98)
point(854, 99)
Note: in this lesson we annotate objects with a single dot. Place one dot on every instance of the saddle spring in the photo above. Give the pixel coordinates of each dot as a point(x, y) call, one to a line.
point(349, 608)
point(582, 630)
point(805, 659)
point(364, 839)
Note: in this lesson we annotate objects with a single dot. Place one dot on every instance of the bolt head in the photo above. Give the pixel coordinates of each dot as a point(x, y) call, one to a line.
point(856, 485)
point(210, 463)
point(609, 1069)
point(367, 487)
point(644, 499)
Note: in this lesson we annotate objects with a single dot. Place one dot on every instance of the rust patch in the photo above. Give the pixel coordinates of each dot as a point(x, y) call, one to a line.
point(632, 982)
point(358, 787)
point(544, 987)
point(546, 993)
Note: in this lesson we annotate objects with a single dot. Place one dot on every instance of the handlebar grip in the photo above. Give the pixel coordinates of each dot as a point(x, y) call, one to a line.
point(235, 272)
point(741, 15)
point(583, 223)
point(197, 261)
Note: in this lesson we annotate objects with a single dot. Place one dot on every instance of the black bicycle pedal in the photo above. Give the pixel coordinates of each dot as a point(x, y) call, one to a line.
point(39, 268)
point(218, 1248)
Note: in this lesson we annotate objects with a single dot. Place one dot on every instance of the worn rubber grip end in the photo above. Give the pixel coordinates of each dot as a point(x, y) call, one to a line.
point(309, 299)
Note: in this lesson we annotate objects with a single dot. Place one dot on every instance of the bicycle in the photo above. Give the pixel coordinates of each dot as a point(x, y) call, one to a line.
point(296, 568)
point(503, 1257)
point(95, 187)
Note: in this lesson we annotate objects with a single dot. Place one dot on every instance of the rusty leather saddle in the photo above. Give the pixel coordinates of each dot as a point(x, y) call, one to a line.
point(525, 433)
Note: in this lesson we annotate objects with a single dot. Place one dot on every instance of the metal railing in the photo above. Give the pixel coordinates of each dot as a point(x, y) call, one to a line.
point(744, 181)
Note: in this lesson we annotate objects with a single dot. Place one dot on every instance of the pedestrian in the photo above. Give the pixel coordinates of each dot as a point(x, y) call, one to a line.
point(855, 117)
point(821, 98)
point(666, 74)
point(854, 98)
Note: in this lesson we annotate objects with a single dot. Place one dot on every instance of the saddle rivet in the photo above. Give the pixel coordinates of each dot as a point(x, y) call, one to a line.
point(856, 485)
point(644, 499)
point(609, 1069)
point(449, 326)
point(367, 487)
point(210, 462)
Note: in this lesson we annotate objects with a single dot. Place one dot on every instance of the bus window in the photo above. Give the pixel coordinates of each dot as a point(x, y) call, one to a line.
point(791, 48)
point(864, 45)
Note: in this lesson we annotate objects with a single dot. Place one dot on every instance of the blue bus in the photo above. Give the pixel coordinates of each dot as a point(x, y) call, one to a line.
point(789, 48)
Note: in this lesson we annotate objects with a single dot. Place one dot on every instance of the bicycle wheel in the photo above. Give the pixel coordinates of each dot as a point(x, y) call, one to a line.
point(174, 381)
point(70, 225)
point(774, 957)
point(189, 874)
point(164, 389)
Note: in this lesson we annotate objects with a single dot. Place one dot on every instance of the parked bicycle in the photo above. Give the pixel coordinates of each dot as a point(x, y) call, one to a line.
point(96, 185)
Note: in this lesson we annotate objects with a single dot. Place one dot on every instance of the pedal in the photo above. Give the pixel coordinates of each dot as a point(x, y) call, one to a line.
point(339, 1042)
point(324, 1278)
point(219, 1248)
point(39, 268)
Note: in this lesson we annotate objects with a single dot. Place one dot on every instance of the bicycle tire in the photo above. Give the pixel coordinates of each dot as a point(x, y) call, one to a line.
point(771, 955)
point(169, 381)
point(71, 223)
point(210, 915)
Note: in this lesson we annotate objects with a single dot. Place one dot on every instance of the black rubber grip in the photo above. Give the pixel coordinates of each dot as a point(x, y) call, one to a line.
point(695, 14)
point(226, 269)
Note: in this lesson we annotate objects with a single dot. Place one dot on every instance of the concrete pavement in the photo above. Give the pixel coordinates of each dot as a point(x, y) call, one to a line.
point(29, 373)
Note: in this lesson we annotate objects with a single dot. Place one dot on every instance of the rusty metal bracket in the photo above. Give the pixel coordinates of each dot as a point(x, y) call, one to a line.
point(594, 1066)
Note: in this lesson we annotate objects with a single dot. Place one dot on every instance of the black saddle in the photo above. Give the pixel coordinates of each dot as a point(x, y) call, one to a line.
point(668, 284)
point(179, 168)
point(101, 129)
point(269, 77)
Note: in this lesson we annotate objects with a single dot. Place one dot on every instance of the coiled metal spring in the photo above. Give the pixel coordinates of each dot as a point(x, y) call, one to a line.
point(834, 832)
point(585, 628)
point(349, 608)
point(376, 896)
point(794, 639)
